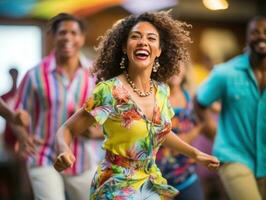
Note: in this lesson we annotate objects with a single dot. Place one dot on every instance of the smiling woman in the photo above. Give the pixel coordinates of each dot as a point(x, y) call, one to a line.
point(173, 38)
point(135, 57)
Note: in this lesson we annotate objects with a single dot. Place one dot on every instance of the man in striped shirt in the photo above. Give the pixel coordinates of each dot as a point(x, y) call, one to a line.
point(51, 92)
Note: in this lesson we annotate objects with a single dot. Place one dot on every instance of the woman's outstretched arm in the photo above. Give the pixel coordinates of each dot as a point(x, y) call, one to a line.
point(174, 142)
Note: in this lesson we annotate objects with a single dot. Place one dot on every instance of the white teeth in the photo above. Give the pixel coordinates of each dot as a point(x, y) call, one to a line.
point(68, 45)
point(262, 44)
point(142, 52)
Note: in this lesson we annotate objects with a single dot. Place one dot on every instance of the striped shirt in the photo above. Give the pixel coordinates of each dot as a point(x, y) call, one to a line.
point(51, 98)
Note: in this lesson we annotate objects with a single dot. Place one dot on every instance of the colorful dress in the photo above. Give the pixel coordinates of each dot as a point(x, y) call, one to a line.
point(131, 141)
point(178, 169)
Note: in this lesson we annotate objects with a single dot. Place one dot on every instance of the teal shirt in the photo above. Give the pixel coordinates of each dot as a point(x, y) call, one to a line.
point(241, 134)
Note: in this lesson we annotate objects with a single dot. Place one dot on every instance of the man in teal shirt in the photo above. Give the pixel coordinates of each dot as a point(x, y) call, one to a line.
point(240, 143)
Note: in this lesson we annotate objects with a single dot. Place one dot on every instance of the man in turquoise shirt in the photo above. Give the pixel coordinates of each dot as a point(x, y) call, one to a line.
point(240, 143)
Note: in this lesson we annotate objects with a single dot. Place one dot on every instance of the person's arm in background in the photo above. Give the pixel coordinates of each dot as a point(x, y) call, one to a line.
point(18, 121)
point(19, 117)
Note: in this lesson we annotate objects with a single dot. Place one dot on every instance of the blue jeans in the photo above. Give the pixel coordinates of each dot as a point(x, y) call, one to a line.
point(192, 192)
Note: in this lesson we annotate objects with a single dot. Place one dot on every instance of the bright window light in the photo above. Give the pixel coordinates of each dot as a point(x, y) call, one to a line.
point(21, 47)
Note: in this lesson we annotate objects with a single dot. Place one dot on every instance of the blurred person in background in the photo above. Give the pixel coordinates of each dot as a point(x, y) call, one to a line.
point(51, 92)
point(9, 98)
point(13, 73)
point(136, 57)
point(178, 169)
point(14, 180)
point(240, 144)
point(210, 180)
point(20, 117)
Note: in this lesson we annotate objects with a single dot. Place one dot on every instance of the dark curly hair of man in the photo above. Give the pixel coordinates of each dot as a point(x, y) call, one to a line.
point(174, 38)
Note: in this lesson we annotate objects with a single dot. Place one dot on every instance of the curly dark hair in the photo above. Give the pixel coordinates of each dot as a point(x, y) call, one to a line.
point(174, 38)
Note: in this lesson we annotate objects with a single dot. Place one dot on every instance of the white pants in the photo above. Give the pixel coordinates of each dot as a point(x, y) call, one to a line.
point(48, 184)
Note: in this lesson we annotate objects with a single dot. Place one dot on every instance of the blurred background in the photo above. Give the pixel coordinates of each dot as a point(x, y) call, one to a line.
point(218, 26)
point(218, 30)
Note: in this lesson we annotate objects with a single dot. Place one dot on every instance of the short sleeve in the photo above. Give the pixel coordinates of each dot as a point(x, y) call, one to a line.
point(212, 89)
point(100, 104)
point(168, 109)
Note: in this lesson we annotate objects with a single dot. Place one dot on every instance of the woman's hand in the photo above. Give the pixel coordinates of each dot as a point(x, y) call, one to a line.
point(207, 160)
point(64, 161)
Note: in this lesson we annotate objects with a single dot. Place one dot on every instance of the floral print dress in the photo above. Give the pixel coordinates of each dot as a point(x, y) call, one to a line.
point(129, 136)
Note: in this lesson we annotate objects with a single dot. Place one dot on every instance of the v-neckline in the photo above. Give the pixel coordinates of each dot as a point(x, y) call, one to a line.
point(140, 111)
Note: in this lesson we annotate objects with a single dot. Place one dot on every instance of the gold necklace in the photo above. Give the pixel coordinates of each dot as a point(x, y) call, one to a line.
point(137, 90)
